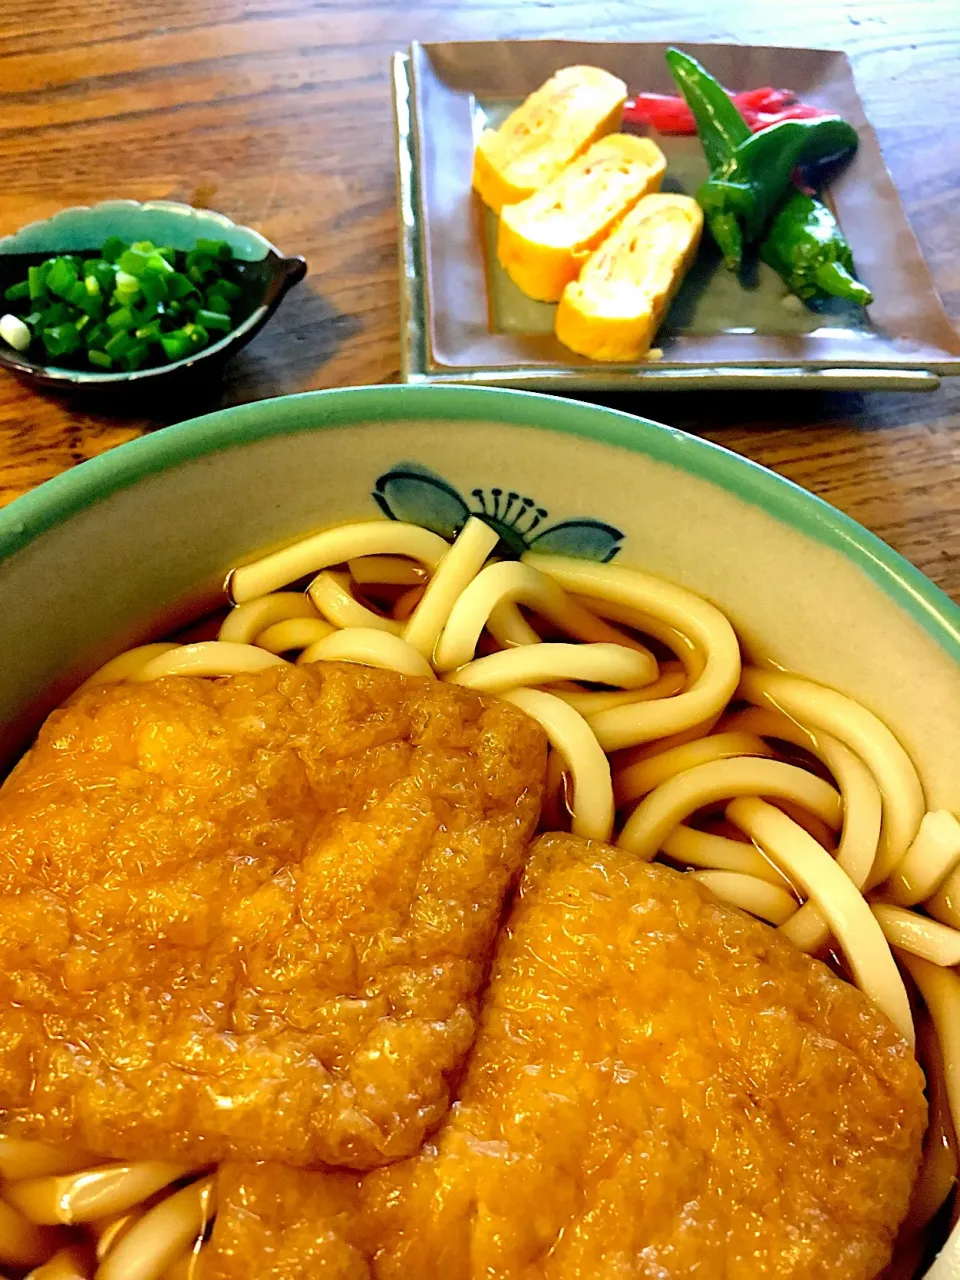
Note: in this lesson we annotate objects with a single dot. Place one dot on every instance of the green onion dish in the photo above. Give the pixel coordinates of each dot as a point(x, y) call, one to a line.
point(133, 306)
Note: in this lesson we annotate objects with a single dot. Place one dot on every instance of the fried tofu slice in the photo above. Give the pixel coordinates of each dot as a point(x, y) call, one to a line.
point(544, 240)
point(551, 127)
point(614, 309)
point(661, 1086)
point(249, 917)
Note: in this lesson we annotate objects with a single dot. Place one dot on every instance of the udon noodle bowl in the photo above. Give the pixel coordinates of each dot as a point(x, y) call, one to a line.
point(784, 798)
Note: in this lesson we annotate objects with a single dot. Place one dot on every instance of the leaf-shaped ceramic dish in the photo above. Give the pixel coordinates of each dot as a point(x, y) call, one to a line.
point(267, 276)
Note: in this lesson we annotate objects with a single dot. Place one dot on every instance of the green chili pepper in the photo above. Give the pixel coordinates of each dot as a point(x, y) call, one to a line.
point(805, 246)
point(719, 123)
point(741, 194)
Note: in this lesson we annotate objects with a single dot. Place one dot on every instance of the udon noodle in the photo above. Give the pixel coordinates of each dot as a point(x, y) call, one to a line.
point(785, 799)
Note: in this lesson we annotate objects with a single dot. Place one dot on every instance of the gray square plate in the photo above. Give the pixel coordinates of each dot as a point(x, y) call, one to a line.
point(463, 320)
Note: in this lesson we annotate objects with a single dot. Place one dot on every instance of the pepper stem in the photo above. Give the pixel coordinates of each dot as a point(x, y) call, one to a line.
point(834, 278)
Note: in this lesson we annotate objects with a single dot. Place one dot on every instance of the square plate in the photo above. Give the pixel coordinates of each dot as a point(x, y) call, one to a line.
point(463, 320)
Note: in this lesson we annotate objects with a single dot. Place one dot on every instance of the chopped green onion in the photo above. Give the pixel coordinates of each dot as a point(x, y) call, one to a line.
point(202, 260)
point(106, 274)
point(134, 356)
point(150, 332)
point(128, 306)
point(134, 261)
point(99, 336)
point(177, 344)
point(157, 265)
point(56, 313)
point(15, 333)
point(62, 277)
point(88, 304)
point(154, 289)
point(62, 339)
point(214, 320)
point(121, 319)
point(112, 249)
point(216, 249)
point(178, 286)
point(35, 281)
point(119, 345)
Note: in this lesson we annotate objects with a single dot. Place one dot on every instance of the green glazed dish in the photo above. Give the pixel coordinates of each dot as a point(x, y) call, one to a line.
point(267, 276)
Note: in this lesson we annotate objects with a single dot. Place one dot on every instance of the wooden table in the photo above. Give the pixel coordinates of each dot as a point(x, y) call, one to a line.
point(278, 113)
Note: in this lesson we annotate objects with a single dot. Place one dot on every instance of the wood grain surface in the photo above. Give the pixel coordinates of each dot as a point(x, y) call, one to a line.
point(277, 112)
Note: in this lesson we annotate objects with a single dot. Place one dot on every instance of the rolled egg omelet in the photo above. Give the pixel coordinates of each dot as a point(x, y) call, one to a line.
point(543, 241)
point(613, 310)
point(551, 127)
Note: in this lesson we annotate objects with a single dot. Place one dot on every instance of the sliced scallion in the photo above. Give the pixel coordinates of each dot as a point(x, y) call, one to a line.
point(127, 305)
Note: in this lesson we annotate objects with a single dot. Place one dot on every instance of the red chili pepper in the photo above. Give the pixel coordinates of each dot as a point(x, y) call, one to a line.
point(667, 114)
point(799, 111)
point(765, 99)
point(759, 107)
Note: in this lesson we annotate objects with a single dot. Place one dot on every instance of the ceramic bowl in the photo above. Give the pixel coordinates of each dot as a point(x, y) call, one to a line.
point(139, 540)
point(267, 276)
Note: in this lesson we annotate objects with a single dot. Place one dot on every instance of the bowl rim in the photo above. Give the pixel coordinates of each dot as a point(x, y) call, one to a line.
point(66, 495)
point(180, 207)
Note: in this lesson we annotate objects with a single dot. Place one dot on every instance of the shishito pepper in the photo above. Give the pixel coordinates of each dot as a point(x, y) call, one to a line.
point(719, 123)
point(806, 248)
point(741, 194)
point(750, 172)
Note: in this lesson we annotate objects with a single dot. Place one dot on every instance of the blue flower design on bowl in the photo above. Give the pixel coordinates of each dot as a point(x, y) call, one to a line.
point(412, 492)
